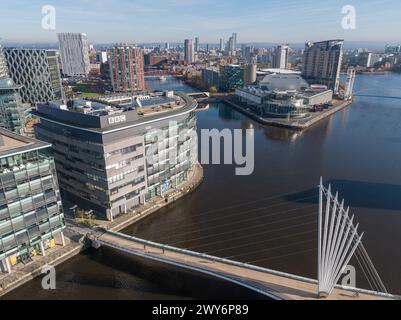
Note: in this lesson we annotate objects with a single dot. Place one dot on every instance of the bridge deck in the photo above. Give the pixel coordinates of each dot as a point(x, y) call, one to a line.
point(278, 287)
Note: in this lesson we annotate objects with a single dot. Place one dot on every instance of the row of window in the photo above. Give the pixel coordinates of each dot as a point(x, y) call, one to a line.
point(131, 183)
point(122, 175)
point(24, 238)
point(73, 148)
point(130, 195)
point(125, 150)
point(28, 220)
point(124, 163)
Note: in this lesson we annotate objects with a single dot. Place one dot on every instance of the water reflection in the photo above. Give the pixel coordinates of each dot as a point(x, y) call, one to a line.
point(360, 194)
point(269, 218)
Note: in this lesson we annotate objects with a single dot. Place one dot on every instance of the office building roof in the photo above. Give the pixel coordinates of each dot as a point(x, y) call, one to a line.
point(13, 144)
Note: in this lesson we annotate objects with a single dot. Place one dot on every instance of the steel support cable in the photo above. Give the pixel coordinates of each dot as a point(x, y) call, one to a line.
point(370, 274)
point(251, 202)
point(364, 255)
point(231, 223)
point(168, 224)
point(373, 268)
point(364, 273)
point(282, 256)
point(262, 241)
point(369, 265)
point(368, 278)
point(364, 269)
point(273, 248)
point(243, 229)
point(372, 271)
point(247, 236)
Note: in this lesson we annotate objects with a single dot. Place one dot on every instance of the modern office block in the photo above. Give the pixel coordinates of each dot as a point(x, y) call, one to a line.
point(231, 77)
point(37, 71)
point(74, 50)
point(31, 215)
point(211, 77)
point(12, 111)
point(115, 152)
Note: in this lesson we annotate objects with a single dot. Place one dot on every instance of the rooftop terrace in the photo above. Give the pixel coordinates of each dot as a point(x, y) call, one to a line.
point(106, 113)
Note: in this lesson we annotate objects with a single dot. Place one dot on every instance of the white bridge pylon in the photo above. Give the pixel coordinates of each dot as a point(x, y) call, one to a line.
point(338, 239)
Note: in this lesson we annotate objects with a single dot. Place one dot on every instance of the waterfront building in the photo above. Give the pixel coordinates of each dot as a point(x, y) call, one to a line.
point(153, 60)
point(231, 77)
point(189, 54)
point(38, 73)
point(280, 57)
point(115, 152)
point(127, 69)
point(283, 81)
point(211, 77)
point(368, 59)
point(284, 95)
point(283, 103)
point(12, 111)
point(250, 74)
point(322, 63)
point(31, 215)
point(74, 50)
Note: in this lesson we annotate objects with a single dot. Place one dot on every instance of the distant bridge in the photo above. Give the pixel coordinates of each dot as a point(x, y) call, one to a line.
point(377, 96)
point(199, 96)
point(338, 240)
point(157, 73)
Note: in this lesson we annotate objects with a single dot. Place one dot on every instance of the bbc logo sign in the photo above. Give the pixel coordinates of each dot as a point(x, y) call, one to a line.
point(117, 119)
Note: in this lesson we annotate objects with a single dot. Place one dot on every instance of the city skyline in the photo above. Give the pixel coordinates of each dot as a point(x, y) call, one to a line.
point(255, 21)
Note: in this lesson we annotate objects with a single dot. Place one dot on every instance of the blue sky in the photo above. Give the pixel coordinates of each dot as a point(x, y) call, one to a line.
point(292, 21)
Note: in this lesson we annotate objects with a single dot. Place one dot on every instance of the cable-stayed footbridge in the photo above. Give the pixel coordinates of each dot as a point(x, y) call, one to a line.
point(337, 241)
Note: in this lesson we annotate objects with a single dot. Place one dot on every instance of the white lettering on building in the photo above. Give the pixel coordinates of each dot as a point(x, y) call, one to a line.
point(117, 119)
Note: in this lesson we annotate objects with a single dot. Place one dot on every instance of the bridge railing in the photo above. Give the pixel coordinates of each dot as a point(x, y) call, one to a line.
point(165, 247)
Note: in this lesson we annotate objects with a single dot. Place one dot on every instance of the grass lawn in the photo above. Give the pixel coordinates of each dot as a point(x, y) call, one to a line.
point(88, 95)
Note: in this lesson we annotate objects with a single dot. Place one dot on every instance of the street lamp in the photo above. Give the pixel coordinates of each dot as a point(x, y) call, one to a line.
point(74, 209)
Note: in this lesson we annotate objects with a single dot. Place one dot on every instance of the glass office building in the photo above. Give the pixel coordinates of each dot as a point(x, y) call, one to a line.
point(31, 216)
point(37, 71)
point(12, 111)
point(171, 152)
point(231, 77)
point(115, 152)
